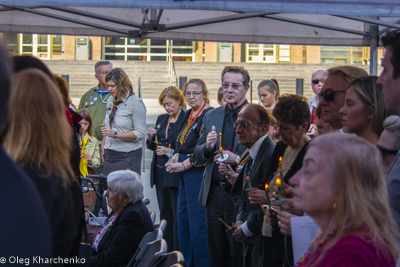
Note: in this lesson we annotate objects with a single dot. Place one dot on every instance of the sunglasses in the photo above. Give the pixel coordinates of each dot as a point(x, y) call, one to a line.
point(316, 81)
point(329, 95)
point(233, 85)
point(244, 124)
point(385, 151)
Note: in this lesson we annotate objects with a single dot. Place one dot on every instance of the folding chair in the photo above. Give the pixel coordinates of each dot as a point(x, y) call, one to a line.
point(162, 225)
point(153, 216)
point(157, 234)
point(152, 251)
point(169, 259)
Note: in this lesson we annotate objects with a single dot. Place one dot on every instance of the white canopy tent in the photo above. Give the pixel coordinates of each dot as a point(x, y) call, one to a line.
point(307, 22)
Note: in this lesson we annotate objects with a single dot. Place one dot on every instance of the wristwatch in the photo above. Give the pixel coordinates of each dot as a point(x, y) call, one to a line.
point(115, 134)
point(238, 159)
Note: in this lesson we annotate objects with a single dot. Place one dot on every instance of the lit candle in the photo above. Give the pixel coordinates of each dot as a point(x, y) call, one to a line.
point(283, 183)
point(278, 183)
point(220, 141)
point(248, 182)
point(156, 139)
point(267, 195)
point(169, 152)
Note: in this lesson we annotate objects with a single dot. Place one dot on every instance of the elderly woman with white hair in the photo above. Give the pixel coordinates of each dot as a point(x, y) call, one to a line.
point(119, 237)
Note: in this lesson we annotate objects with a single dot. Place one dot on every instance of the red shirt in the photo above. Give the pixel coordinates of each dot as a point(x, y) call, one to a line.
point(351, 251)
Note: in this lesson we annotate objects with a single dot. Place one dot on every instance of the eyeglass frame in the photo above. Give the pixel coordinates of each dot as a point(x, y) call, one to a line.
point(385, 151)
point(317, 80)
point(240, 123)
point(320, 95)
point(194, 93)
point(233, 85)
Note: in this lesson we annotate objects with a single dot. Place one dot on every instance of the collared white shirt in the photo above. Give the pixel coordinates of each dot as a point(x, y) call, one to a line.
point(253, 152)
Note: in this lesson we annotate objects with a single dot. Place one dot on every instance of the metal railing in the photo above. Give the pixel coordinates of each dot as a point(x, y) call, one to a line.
point(173, 78)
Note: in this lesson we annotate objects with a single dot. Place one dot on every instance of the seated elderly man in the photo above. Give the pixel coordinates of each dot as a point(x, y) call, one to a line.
point(119, 237)
point(252, 127)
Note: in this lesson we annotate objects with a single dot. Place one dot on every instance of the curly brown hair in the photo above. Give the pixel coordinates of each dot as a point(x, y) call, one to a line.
point(292, 109)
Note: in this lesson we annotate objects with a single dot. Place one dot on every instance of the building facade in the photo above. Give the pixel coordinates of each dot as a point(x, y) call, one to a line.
point(59, 47)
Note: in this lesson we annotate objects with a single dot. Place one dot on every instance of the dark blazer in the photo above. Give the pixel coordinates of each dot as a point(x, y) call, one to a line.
point(25, 230)
point(215, 118)
point(170, 179)
point(120, 242)
point(253, 214)
point(277, 241)
point(64, 206)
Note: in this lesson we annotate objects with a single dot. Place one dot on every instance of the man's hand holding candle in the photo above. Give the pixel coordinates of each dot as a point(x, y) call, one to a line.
point(211, 139)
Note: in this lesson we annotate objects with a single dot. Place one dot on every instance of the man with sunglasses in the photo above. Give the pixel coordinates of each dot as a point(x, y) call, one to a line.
point(252, 126)
point(317, 81)
point(333, 92)
point(390, 82)
point(217, 203)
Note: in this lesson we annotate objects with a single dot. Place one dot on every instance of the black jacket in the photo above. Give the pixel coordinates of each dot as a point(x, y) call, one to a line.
point(120, 242)
point(171, 179)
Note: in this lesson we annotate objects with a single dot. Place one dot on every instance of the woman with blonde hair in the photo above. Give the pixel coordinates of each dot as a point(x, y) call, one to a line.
point(125, 125)
point(364, 109)
point(342, 188)
point(36, 109)
point(162, 140)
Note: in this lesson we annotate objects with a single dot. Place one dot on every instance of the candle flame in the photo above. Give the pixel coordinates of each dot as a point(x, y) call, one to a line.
point(169, 145)
point(220, 133)
point(280, 159)
point(266, 186)
point(248, 177)
point(278, 181)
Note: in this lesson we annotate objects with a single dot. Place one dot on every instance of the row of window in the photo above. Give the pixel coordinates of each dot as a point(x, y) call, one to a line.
point(52, 47)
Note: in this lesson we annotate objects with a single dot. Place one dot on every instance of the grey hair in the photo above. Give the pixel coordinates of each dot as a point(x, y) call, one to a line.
point(101, 63)
point(324, 73)
point(392, 124)
point(126, 183)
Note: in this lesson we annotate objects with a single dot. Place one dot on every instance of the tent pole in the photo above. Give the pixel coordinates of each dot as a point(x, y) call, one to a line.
point(373, 50)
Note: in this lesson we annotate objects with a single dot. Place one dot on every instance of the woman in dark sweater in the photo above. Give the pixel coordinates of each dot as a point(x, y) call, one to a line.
point(161, 139)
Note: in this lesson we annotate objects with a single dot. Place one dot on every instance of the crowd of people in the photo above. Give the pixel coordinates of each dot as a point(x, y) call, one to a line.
point(228, 180)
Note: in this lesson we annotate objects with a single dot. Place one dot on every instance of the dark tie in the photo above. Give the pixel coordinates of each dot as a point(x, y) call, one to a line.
point(247, 170)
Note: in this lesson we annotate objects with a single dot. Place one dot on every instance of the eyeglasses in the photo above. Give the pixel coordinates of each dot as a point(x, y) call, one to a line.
point(385, 151)
point(244, 124)
point(329, 95)
point(316, 81)
point(233, 85)
point(194, 93)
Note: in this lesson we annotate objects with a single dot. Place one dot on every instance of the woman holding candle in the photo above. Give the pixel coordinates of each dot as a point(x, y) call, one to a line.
point(357, 228)
point(125, 125)
point(162, 139)
point(364, 109)
point(191, 215)
point(293, 116)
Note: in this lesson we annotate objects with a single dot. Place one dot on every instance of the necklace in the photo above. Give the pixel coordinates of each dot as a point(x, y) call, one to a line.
point(166, 130)
point(317, 244)
point(191, 119)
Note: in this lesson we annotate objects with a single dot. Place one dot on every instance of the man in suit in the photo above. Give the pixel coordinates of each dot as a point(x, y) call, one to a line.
point(390, 82)
point(25, 228)
point(252, 126)
point(235, 83)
